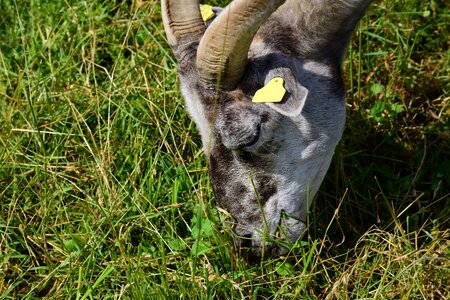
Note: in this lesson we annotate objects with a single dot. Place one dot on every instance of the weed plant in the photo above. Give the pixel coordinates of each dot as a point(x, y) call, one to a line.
point(104, 192)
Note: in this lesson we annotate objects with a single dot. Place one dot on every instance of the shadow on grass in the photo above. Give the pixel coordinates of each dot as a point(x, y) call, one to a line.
point(387, 178)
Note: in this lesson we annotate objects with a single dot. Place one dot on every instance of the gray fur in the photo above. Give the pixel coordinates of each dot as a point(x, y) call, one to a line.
point(267, 161)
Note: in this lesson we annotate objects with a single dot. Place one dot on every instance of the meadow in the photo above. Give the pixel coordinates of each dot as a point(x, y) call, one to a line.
point(104, 190)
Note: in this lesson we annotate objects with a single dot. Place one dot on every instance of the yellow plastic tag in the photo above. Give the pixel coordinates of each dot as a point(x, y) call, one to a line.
point(206, 12)
point(273, 91)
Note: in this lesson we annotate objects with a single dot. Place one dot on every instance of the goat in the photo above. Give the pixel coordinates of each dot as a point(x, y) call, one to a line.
point(266, 160)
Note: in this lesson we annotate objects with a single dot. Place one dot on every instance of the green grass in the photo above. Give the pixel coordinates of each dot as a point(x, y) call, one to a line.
point(104, 192)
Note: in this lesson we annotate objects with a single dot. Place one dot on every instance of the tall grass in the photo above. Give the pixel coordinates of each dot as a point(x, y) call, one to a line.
point(104, 190)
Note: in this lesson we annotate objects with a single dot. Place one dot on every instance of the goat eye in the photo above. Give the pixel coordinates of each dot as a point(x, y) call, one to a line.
point(255, 138)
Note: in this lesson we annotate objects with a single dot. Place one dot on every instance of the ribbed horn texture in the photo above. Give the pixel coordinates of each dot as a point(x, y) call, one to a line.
point(183, 25)
point(223, 50)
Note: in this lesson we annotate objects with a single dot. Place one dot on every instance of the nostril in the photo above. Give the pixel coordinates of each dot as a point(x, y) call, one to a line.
point(245, 241)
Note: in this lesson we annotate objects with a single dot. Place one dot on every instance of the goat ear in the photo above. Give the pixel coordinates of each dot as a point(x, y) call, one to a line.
point(295, 97)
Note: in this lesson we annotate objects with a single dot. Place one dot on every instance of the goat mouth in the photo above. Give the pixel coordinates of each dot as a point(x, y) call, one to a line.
point(254, 243)
point(265, 247)
point(255, 253)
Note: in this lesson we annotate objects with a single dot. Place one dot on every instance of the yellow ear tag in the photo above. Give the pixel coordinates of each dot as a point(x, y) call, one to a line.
point(206, 12)
point(273, 91)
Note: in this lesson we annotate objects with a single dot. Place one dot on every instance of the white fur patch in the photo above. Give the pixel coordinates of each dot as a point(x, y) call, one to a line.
point(196, 111)
point(318, 68)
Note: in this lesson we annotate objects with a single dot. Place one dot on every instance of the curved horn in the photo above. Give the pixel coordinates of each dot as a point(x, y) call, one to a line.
point(183, 25)
point(223, 50)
